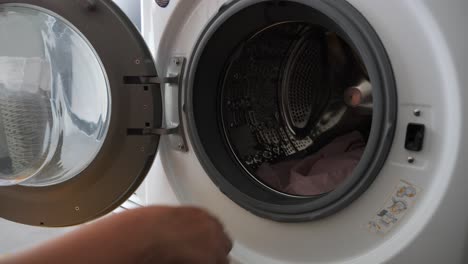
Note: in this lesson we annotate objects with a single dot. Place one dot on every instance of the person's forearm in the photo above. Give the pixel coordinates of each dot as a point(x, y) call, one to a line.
point(155, 234)
point(107, 241)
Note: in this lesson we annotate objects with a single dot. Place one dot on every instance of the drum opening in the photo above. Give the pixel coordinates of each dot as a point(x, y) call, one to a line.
point(296, 108)
point(291, 106)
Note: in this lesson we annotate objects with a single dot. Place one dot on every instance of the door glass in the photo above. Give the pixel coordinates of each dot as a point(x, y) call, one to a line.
point(54, 98)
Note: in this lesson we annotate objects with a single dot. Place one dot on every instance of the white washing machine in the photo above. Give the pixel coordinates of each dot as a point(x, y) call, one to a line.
point(318, 131)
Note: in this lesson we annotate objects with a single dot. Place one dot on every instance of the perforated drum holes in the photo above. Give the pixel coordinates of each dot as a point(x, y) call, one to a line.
point(245, 65)
point(283, 102)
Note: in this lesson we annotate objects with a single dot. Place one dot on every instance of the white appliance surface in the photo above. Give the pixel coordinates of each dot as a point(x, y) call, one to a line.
point(429, 58)
point(427, 48)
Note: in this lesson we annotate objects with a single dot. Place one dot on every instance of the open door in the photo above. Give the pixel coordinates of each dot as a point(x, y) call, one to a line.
point(77, 110)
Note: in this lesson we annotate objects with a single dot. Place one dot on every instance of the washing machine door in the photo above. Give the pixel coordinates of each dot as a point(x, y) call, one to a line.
point(77, 111)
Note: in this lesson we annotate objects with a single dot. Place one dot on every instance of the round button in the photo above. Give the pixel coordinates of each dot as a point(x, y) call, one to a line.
point(162, 3)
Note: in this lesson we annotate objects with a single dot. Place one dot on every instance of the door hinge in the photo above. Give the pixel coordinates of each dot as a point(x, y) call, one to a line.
point(172, 104)
point(152, 80)
point(153, 131)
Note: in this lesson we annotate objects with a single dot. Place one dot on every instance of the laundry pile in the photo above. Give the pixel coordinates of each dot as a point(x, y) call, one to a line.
point(319, 173)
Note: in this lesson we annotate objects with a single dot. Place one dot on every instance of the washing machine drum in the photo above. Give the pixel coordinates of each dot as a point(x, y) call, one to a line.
point(66, 109)
point(291, 106)
point(290, 119)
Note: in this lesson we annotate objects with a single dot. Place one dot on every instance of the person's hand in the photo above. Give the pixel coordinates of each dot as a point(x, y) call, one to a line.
point(160, 235)
point(186, 235)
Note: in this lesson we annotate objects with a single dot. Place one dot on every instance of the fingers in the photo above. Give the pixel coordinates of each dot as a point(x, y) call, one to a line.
point(224, 241)
point(225, 260)
point(203, 239)
point(223, 255)
point(227, 242)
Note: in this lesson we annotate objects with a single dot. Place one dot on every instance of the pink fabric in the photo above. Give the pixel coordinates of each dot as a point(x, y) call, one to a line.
point(319, 173)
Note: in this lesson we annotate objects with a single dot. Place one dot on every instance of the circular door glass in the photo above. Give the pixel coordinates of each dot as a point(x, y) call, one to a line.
point(54, 98)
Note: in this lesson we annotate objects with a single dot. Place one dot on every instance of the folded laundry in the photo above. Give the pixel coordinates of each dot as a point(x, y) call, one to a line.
point(319, 173)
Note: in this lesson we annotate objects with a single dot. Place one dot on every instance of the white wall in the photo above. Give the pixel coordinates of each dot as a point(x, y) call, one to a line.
point(15, 237)
point(132, 9)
